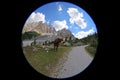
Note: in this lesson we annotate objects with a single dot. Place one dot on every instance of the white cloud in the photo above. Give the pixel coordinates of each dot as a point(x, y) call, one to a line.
point(76, 17)
point(83, 34)
point(59, 8)
point(59, 25)
point(36, 17)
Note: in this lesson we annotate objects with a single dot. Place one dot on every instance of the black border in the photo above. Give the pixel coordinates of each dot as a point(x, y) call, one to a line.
point(98, 68)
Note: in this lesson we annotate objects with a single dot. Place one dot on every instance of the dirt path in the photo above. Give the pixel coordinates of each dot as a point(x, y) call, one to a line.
point(77, 60)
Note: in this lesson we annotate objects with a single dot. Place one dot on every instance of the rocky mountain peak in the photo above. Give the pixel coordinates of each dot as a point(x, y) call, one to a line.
point(65, 33)
point(44, 29)
point(39, 27)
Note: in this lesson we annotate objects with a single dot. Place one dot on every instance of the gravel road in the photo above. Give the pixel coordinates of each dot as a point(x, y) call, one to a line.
point(77, 60)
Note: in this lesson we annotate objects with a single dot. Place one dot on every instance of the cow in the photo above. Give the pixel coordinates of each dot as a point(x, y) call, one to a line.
point(56, 43)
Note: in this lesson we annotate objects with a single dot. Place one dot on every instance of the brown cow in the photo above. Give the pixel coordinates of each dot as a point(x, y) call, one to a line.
point(56, 43)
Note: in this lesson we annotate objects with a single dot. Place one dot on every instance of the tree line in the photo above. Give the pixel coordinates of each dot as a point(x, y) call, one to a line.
point(29, 35)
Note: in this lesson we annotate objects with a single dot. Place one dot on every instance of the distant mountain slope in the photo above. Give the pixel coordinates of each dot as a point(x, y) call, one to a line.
point(44, 29)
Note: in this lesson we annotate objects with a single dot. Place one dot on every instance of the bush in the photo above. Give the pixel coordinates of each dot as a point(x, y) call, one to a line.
point(93, 42)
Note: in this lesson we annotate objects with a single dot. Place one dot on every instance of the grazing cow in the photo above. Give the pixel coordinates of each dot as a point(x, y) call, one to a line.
point(56, 43)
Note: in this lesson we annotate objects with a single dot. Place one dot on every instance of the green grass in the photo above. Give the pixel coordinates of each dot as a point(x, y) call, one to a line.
point(90, 50)
point(42, 61)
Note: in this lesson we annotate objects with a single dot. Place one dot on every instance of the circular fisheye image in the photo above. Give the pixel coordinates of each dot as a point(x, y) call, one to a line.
point(59, 40)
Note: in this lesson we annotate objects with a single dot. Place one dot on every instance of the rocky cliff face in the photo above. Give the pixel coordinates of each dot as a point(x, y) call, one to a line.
point(38, 27)
point(65, 33)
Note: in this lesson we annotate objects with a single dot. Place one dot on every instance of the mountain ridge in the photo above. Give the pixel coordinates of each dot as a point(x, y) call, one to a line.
point(45, 29)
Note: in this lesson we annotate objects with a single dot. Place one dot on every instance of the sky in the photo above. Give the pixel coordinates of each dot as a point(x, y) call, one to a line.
point(65, 15)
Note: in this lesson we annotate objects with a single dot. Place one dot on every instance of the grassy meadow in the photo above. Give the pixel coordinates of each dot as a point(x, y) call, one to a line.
point(43, 61)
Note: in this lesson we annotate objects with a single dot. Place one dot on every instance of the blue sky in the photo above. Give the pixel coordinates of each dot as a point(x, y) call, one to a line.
point(65, 15)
